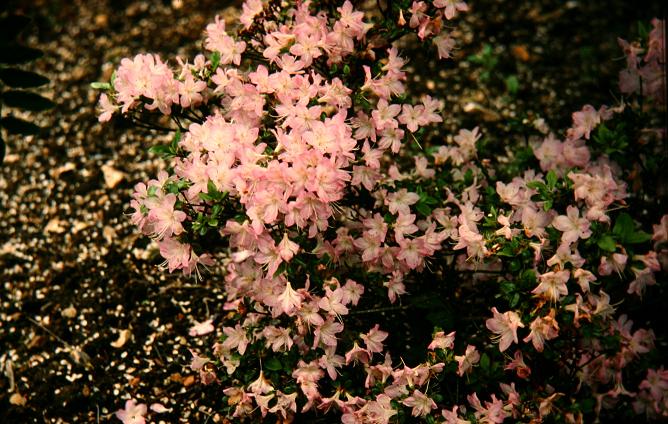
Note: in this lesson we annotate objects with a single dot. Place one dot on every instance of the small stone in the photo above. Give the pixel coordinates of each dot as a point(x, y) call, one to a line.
point(55, 225)
point(36, 341)
point(189, 381)
point(176, 377)
point(521, 53)
point(123, 337)
point(69, 312)
point(79, 225)
point(101, 20)
point(487, 115)
point(17, 399)
point(12, 158)
point(112, 176)
point(109, 234)
point(69, 166)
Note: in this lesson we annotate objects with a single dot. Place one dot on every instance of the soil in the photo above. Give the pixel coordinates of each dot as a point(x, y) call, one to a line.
point(87, 317)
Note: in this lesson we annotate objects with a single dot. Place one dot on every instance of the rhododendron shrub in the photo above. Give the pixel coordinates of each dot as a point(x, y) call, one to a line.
point(305, 168)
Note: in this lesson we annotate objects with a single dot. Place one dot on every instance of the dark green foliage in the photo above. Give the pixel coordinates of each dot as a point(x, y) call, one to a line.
point(13, 53)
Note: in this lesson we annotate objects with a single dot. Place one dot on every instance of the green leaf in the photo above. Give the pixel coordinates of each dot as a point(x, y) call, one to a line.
point(551, 179)
point(512, 84)
point(215, 61)
point(26, 100)
point(625, 230)
point(423, 208)
point(607, 243)
point(536, 185)
point(100, 85)
point(151, 191)
point(638, 237)
point(160, 149)
point(22, 79)
point(211, 188)
point(484, 362)
point(624, 226)
point(13, 54)
point(18, 126)
point(273, 364)
point(175, 140)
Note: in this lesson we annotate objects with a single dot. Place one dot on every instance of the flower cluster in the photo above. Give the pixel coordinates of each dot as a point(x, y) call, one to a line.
point(645, 74)
point(298, 165)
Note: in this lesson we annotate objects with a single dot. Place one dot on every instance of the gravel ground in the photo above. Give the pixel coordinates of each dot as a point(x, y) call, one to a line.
point(87, 319)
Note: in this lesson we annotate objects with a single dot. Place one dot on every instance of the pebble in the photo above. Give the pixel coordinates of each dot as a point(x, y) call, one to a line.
point(17, 399)
point(123, 337)
point(69, 312)
point(189, 381)
point(55, 225)
point(112, 176)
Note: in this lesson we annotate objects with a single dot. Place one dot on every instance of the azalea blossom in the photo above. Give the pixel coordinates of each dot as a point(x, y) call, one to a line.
point(505, 326)
point(421, 404)
point(201, 328)
point(467, 360)
point(133, 413)
point(572, 226)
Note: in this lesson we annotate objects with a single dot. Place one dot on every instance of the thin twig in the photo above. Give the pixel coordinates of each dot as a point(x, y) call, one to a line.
point(384, 309)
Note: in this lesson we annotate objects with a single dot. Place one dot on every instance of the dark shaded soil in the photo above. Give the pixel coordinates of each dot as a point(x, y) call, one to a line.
point(75, 274)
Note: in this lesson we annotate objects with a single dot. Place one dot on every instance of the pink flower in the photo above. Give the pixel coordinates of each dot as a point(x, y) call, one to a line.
point(287, 248)
point(518, 364)
point(411, 116)
point(201, 328)
point(357, 354)
point(549, 153)
point(472, 241)
point(411, 252)
point(451, 7)
point(166, 221)
point(352, 292)
point(442, 341)
point(326, 333)
point(107, 108)
point(505, 327)
point(657, 384)
point(236, 339)
point(400, 201)
point(552, 285)
point(584, 122)
point(374, 339)
point(289, 301)
point(467, 360)
point(572, 226)
point(421, 404)
point(660, 231)
point(542, 328)
point(159, 408)
point(133, 413)
point(332, 302)
point(189, 91)
point(197, 362)
point(451, 416)
point(177, 255)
